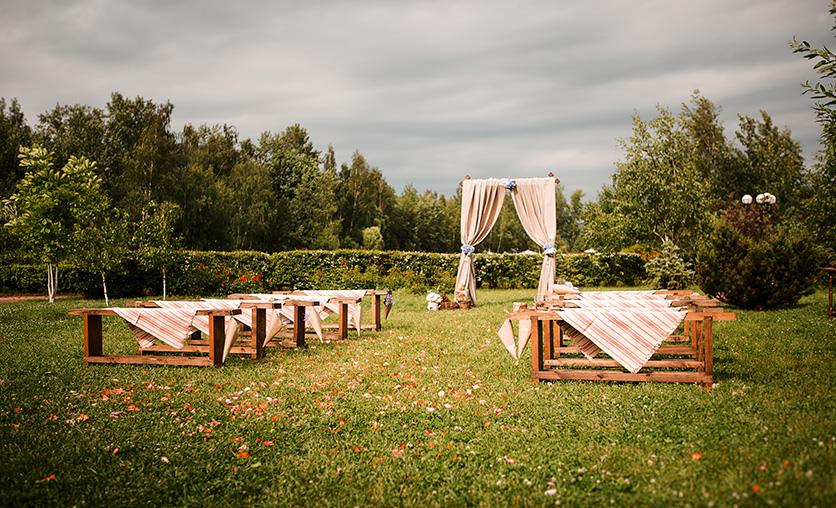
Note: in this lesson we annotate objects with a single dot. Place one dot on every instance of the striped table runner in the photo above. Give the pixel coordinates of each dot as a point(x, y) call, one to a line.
point(172, 326)
point(630, 337)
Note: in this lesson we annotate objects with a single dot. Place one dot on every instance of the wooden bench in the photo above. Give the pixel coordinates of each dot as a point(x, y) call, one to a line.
point(254, 346)
point(549, 347)
point(377, 298)
point(93, 347)
point(342, 316)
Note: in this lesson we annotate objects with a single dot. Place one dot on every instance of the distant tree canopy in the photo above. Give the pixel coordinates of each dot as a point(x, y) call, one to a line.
point(677, 170)
point(280, 192)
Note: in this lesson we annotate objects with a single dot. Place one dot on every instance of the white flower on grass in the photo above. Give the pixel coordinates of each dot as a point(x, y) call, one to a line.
point(551, 492)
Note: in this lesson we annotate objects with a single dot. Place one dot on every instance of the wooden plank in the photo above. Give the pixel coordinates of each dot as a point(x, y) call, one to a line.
point(548, 339)
point(92, 335)
point(94, 312)
point(195, 361)
point(536, 345)
point(377, 321)
point(605, 362)
point(342, 321)
point(240, 349)
point(216, 339)
point(709, 347)
point(299, 324)
point(664, 349)
point(604, 375)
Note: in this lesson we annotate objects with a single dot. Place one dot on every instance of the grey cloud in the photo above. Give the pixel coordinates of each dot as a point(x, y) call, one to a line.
point(428, 91)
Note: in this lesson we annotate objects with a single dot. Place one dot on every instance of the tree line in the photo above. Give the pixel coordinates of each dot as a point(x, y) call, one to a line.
point(276, 193)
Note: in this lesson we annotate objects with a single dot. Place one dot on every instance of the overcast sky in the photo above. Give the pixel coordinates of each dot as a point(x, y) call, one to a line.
point(427, 91)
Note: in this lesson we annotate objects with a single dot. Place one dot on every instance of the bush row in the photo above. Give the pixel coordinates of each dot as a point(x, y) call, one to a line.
point(221, 273)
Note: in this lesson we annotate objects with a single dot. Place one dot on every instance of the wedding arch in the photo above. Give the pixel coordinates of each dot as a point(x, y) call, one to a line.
point(481, 204)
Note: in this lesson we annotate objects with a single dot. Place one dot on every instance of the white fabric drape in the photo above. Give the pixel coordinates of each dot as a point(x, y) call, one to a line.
point(535, 204)
point(481, 204)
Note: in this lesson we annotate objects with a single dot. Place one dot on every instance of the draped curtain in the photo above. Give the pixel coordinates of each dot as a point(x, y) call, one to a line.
point(535, 204)
point(481, 203)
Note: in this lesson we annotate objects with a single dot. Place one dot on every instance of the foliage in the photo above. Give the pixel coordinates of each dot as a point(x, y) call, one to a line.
point(669, 270)
point(218, 274)
point(611, 269)
point(53, 211)
point(14, 134)
point(821, 207)
point(656, 195)
point(754, 261)
point(372, 239)
point(17, 278)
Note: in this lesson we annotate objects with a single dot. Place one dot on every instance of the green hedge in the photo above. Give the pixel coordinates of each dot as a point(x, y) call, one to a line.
point(221, 273)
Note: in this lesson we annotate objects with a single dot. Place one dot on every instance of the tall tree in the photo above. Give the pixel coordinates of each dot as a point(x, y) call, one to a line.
point(364, 198)
point(51, 206)
point(821, 208)
point(770, 161)
point(213, 147)
point(656, 193)
point(77, 130)
point(14, 134)
point(712, 152)
point(141, 155)
point(254, 222)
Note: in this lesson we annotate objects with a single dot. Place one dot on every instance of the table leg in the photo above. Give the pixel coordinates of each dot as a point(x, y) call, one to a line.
point(216, 339)
point(536, 346)
point(299, 325)
point(92, 335)
point(376, 312)
point(259, 332)
point(342, 328)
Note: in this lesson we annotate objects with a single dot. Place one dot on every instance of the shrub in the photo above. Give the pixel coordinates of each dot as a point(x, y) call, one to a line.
point(755, 262)
point(217, 274)
point(669, 270)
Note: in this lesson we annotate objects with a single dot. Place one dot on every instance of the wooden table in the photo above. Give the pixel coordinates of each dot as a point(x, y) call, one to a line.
point(547, 346)
point(93, 350)
point(830, 271)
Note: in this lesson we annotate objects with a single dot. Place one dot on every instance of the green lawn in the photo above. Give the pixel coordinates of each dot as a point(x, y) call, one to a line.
point(431, 411)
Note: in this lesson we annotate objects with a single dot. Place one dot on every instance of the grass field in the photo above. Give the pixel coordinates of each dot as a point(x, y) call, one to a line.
point(431, 411)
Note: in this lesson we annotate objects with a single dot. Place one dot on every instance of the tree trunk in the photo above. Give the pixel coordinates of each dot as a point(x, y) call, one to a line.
point(104, 287)
point(51, 281)
point(163, 284)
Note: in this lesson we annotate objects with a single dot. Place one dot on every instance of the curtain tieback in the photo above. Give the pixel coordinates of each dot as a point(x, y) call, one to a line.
point(549, 249)
point(468, 249)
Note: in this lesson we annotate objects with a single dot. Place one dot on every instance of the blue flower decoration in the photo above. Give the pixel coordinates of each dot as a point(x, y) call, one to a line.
point(468, 249)
point(509, 184)
point(549, 249)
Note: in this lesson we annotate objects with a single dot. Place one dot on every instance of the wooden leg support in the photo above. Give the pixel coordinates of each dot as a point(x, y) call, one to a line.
point(216, 339)
point(709, 348)
point(376, 316)
point(536, 348)
point(92, 335)
point(299, 325)
point(342, 328)
point(259, 332)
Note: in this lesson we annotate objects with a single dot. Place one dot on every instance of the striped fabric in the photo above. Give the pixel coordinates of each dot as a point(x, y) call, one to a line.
point(630, 337)
point(354, 311)
point(172, 326)
point(202, 322)
point(621, 295)
point(649, 304)
point(332, 308)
